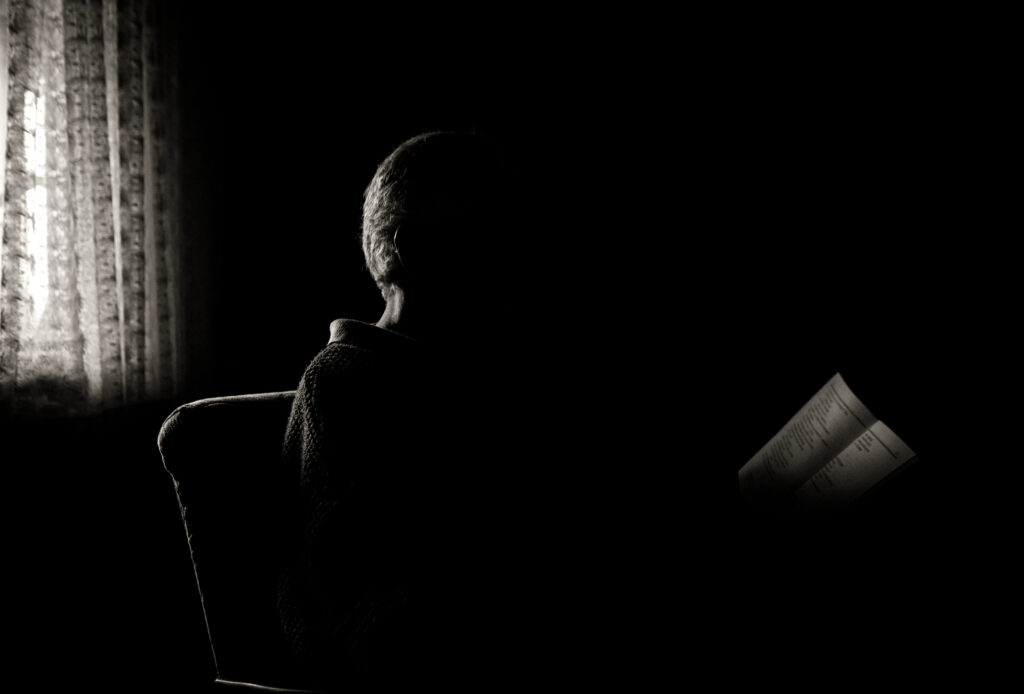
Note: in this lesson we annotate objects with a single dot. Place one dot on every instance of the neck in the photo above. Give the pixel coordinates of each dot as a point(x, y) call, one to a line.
point(395, 314)
point(409, 318)
point(422, 319)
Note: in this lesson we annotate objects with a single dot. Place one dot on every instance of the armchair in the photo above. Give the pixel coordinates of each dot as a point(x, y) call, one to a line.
point(223, 455)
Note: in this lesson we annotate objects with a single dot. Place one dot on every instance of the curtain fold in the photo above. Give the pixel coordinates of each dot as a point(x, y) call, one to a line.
point(89, 300)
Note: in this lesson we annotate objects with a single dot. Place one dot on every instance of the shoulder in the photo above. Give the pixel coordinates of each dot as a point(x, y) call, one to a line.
point(358, 355)
point(333, 365)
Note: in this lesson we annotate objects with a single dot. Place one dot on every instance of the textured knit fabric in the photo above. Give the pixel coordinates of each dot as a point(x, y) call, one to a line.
point(384, 441)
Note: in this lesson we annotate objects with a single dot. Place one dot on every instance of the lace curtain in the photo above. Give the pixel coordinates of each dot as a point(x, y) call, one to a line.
point(89, 263)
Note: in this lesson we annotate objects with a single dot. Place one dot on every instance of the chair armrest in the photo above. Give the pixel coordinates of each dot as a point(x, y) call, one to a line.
point(224, 456)
point(247, 422)
point(230, 686)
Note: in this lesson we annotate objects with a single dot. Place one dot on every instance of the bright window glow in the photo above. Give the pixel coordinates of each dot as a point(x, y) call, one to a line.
point(35, 201)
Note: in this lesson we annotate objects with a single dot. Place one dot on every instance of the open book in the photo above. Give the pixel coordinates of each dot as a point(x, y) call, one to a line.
point(830, 453)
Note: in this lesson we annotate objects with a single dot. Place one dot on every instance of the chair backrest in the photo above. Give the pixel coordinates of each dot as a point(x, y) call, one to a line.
point(224, 455)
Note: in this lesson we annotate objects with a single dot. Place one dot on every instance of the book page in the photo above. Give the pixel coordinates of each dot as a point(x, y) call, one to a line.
point(823, 428)
point(871, 457)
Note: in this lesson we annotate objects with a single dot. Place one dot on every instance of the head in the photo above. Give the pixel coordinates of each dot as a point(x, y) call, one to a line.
point(435, 217)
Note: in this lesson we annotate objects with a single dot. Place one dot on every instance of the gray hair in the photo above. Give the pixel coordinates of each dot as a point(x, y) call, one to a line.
point(439, 189)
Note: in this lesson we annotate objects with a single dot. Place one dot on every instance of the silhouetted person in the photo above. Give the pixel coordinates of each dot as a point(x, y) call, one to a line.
point(396, 435)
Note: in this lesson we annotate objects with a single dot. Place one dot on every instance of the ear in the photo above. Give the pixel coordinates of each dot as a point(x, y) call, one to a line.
point(415, 250)
point(430, 252)
point(405, 249)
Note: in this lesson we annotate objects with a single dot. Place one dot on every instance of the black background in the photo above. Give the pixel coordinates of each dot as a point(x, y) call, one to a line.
point(720, 213)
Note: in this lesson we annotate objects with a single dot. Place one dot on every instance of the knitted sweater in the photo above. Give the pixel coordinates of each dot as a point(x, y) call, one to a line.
point(380, 534)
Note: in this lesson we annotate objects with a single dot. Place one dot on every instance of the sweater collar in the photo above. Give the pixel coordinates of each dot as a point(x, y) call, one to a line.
point(361, 334)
